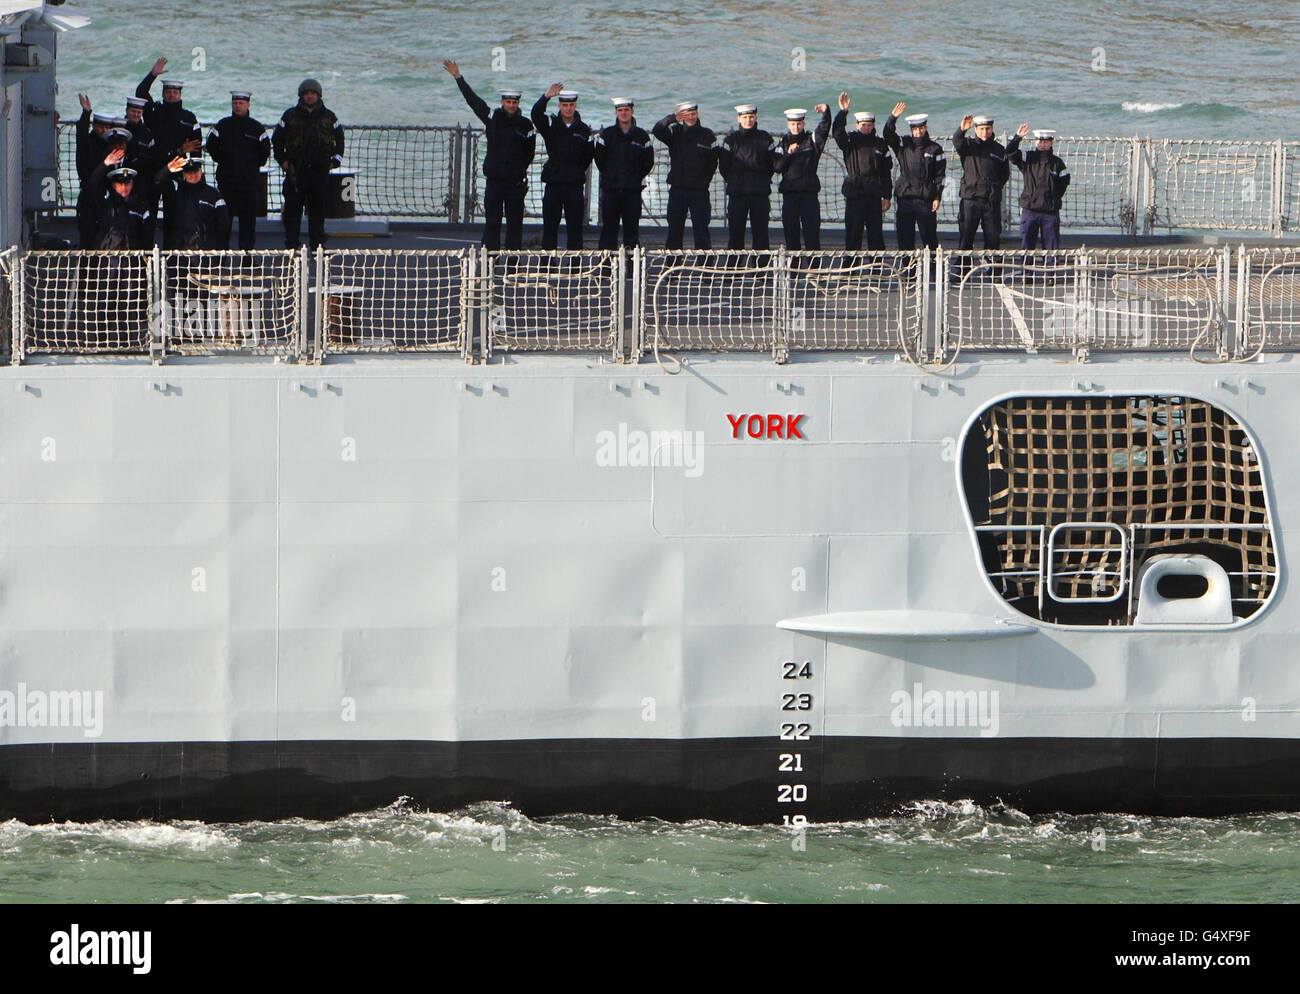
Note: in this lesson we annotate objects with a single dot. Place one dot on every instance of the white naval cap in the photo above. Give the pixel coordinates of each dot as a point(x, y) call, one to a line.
point(509, 94)
point(622, 101)
point(746, 108)
point(118, 122)
point(687, 105)
point(917, 120)
point(864, 115)
point(137, 102)
point(1047, 133)
point(173, 84)
point(241, 95)
point(122, 133)
point(98, 118)
point(795, 114)
point(122, 174)
point(980, 119)
point(568, 95)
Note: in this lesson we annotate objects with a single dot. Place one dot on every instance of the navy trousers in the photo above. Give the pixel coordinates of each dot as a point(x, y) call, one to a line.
point(912, 213)
point(801, 212)
point(976, 214)
point(563, 198)
point(754, 207)
point(500, 197)
point(1032, 223)
point(863, 213)
point(697, 203)
point(620, 206)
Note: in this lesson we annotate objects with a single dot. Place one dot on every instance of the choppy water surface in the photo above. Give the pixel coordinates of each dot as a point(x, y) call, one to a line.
point(490, 853)
point(1162, 67)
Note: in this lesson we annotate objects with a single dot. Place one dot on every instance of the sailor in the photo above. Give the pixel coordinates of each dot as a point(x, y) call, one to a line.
point(240, 147)
point(511, 145)
point(1046, 180)
point(142, 156)
point(624, 157)
point(798, 154)
point(134, 123)
point(196, 214)
point(921, 167)
point(174, 130)
point(693, 158)
point(307, 143)
point(569, 153)
point(867, 181)
point(91, 147)
point(121, 214)
point(984, 171)
point(747, 160)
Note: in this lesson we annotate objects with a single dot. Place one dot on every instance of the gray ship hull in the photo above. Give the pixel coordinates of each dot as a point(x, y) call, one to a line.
point(241, 590)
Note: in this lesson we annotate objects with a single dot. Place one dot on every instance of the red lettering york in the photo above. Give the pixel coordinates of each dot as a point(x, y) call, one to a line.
point(792, 426)
point(755, 426)
point(775, 426)
point(736, 421)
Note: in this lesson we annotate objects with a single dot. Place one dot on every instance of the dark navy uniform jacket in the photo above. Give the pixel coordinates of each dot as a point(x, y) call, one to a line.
point(747, 160)
point(121, 219)
point(921, 164)
point(866, 161)
point(171, 124)
point(511, 140)
point(195, 214)
point(1046, 179)
point(240, 147)
point(984, 167)
point(798, 157)
point(692, 151)
point(624, 158)
point(568, 146)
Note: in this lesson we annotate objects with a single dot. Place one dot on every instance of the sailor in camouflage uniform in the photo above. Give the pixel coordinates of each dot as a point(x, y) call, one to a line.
point(307, 143)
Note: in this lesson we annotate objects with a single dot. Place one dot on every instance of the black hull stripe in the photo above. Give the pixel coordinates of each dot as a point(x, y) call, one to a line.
point(721, 779)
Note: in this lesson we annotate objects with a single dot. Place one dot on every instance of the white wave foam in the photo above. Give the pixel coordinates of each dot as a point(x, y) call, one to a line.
point(191, 835)
point(1140, 107)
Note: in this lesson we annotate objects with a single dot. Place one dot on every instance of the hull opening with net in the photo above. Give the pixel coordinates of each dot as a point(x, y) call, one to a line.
point(1074, 497)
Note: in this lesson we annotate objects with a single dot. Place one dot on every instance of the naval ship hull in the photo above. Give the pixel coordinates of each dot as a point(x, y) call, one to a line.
point(237, 590)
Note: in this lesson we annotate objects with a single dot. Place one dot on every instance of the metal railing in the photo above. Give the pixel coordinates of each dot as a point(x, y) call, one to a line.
point(1085, 299)
point(384, 301)
point(1124, 185)
point(1218, 304)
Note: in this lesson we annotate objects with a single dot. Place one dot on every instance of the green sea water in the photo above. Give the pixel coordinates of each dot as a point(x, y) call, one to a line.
point(1161, 67)
point(932, 852)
